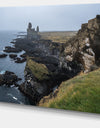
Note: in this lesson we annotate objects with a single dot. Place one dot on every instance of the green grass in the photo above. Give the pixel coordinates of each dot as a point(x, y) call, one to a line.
point(39, 71)
point(60, 37)
point(82, 93)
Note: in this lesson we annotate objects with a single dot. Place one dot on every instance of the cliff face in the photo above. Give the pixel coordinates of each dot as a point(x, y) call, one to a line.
point(42, 78)
point(42, 72)
point(39, 48)
point(85, 46)
point(51, 63)
point(84, 50)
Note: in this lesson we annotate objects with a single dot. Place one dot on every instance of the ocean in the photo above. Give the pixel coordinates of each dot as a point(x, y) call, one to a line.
point(11, 94)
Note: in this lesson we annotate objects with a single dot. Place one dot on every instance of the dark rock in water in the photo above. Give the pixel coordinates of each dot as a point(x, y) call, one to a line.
point(19, 79)
point(12, 49)
point(23, 55)
point(19, 60)
point(3, 55)
point(8, 78)
point(12, 42)
point(13, 56)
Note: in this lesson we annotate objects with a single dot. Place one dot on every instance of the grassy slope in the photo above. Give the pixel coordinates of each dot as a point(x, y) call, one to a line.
point(39, 71)
point(81, 93)
point(61, 37)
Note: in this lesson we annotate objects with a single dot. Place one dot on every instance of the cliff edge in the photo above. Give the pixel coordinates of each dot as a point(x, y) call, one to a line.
point(85, 46)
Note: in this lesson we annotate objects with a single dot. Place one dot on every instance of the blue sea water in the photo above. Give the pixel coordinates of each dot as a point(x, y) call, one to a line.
point(11, 94)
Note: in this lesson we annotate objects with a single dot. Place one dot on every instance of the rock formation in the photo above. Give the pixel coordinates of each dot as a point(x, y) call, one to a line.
point(8, 78)
point(50, 63)
point(3, 55)
point(20, 60)
point(10, 49)
point(13, 56)
point(85, 46)
point(31, 33)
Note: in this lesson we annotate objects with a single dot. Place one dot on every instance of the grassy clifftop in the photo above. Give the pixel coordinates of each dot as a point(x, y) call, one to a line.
point(81, 93)
point(61, 37)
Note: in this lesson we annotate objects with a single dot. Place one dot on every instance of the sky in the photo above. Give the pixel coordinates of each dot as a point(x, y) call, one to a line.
point(48, 18)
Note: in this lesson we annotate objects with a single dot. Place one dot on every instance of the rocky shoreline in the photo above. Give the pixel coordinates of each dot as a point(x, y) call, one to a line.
point(49, 63)
point(45, 54)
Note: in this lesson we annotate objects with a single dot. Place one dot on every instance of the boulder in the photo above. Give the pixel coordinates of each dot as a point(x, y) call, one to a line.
point(19, 60)
point(13, 56)
point(3, 55)
point(23, 55)
point(10, 49)
point(8, 78)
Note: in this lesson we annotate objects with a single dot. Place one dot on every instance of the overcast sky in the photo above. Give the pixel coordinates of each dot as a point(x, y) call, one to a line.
point(49, 18)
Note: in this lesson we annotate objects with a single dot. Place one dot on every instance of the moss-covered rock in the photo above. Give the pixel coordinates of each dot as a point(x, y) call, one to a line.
point(38, 70)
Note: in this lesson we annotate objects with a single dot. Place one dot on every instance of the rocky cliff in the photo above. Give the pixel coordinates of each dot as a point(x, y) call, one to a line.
point(50, 63)
point(42, 78)
point(39, 48)
point(43, 73)
point(84, 47)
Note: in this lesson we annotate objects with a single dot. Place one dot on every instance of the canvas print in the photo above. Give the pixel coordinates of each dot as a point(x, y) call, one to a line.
point(50, 56)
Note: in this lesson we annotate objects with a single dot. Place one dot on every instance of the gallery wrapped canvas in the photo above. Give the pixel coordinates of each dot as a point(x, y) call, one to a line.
point(50, 56)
